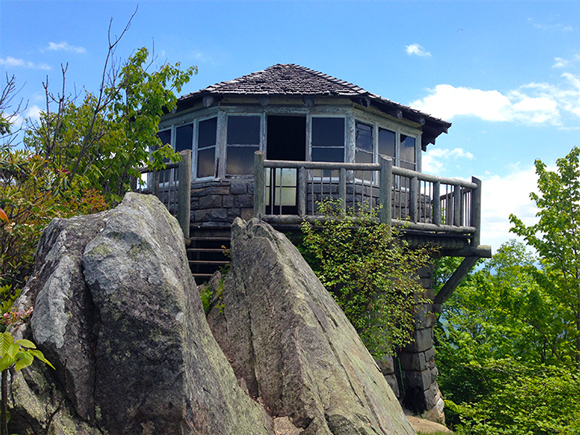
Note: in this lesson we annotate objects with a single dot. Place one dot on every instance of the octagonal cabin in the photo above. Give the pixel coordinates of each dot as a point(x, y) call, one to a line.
point(312, 136)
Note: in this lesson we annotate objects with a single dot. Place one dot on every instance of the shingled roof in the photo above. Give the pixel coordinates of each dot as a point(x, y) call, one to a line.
point(296, 80)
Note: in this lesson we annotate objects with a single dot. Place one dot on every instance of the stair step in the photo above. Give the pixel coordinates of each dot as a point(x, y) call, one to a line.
point(214, 262)
point(204, 250)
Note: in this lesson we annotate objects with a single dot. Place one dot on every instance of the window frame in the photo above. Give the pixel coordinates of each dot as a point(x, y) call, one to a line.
point(227, 145)
point(196, 149)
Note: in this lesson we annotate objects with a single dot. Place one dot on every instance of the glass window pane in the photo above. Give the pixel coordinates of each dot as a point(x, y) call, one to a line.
point(327, 132)
point(328, 154)
point(362, 157)
point(207, 133)
point(386, 142)
point(244, 130)
point(184, 137)
point(408, 165)
point(165, 136)
point(407, 148)
point(206, 162)
point(364, 136)
point(240, 160)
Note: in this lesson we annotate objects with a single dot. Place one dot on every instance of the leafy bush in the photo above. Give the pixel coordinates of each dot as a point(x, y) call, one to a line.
point(370, 271)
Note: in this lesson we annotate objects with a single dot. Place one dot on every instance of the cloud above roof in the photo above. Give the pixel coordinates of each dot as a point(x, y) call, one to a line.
point(417, 50)
point(530, 104)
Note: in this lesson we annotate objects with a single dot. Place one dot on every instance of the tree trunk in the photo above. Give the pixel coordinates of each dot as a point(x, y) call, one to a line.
point(4, 410)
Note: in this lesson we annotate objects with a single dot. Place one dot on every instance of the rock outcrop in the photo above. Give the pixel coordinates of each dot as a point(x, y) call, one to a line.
point(117, 312)
point(290, 344)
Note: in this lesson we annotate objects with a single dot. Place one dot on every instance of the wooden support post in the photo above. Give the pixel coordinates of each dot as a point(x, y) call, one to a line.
point(342, 189)
point(259, 185)
point(386, 191)
point(476, 211)
point(302, 191)
point(414, 199)
point(437, 203)
point(156, 181)
point(456, 206)
point(184, 193)
point(450, 286)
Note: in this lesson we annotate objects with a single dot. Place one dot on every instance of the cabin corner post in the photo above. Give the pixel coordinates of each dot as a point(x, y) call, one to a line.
point(385, 191)
point(302, 191)
point(476, 211)
point(184, 192)
point(414, 200)
point(259, 185)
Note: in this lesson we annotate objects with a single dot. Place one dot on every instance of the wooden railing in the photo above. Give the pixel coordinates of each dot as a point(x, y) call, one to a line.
point(172, 186)
point(404, 198)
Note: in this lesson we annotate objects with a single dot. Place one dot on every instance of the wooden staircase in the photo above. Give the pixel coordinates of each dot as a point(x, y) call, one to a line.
point(206, 253)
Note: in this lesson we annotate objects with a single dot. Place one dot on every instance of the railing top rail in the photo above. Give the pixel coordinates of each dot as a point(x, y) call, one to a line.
point(281, 164)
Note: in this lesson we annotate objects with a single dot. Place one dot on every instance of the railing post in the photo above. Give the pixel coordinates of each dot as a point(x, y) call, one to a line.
point(301, 191)
point(342, 189)
point(457, 206)
point(156, 181)
point(437, 203)
point(414, 199)
point(259, 188)
point(476, 211)
point(184, 192)
point(386, 191)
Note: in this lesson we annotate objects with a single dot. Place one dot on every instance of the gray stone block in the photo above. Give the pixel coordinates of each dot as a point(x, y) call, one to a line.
point(412, 361)
point(212, 215)
point(420, 379)
point(239, 188)
point(210, 201)
point(423, 340)
point(386, 365)
point(227, 201)
point(246, 201)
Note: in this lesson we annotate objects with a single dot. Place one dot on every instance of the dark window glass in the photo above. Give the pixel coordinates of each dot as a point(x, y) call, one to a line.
point(165, 136)
point(206, 162)
point(241, 160)
point(184, 137)
point(407, 145)
point(207, 133)
point(362, 157)
point(364, 136)
point(327, 132)
point(243, 130)
point(327, 154)
point(387, 142)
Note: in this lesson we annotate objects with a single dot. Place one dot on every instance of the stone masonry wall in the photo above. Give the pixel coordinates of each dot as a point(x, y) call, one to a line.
point(219, 202)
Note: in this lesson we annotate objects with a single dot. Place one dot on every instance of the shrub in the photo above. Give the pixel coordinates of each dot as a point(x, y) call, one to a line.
point(370, 271)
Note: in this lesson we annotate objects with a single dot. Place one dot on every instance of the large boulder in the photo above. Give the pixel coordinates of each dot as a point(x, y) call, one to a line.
point(292, 346)
point(117, 311)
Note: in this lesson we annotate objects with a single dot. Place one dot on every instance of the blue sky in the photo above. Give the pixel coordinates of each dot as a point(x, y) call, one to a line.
point(506, 74)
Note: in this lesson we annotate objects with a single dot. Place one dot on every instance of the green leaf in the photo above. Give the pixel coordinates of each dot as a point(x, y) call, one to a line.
point(39, 355)
point(26, 343)
point(6, 362)
point(24, 360)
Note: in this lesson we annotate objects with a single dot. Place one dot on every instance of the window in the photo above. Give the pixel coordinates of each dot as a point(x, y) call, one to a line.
point(243, 139)
point(184, 137)
point(408, 156)
point(327, 142)
point(387, 143)
point(206, 147)
point(165, 137)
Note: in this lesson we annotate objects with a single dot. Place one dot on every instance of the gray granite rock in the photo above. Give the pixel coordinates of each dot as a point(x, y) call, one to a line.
point(290, 344)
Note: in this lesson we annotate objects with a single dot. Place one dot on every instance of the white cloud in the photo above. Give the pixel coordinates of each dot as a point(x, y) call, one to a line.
point(64, 46)
point(533, 103)
point(502, 196)
point(33, 113)
point(13, 62)
point(560, 62)
point(555, 26)
point(417, 50)
point(436, 159)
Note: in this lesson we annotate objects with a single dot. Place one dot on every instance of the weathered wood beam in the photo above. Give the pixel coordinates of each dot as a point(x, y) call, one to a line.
point(259, 185)
point(184, 193)
point(447, 290)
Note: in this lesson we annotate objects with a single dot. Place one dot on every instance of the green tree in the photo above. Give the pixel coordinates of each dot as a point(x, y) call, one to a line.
point(500, 351)
point(370, 271)
point(556, 239)
point(105, 137)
